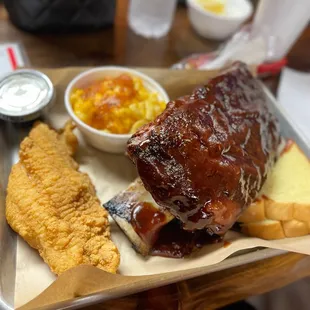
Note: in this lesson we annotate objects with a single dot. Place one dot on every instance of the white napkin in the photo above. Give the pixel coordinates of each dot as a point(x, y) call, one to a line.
point(12, 56)
point(294, 96)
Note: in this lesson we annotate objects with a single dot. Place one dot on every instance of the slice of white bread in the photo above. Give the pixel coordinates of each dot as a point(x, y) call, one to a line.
point(283, 208)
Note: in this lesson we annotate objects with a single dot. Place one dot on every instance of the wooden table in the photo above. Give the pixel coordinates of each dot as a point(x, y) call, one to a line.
point(122, 47)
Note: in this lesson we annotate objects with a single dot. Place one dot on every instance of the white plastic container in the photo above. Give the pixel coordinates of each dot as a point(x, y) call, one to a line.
point(112, 143)
point(219, 27)
point(151, 18)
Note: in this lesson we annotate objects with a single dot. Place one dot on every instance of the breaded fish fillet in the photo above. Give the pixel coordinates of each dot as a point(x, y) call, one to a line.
point(54, 207)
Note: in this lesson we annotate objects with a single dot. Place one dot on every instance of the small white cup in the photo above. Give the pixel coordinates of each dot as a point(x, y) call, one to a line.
point(219, 27)
point(108, 142)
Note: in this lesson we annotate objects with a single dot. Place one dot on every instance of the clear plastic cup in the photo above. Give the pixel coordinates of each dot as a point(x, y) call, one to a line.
point(280, 22)
point(151, 18)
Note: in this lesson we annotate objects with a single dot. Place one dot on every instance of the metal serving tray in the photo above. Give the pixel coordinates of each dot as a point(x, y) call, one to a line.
point(10, 137)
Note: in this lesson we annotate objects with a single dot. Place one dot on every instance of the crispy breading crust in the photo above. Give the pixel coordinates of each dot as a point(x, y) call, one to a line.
point(54, 207)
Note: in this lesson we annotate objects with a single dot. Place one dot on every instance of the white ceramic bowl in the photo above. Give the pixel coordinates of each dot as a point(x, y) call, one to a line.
point(219, 27)
point(112, 143)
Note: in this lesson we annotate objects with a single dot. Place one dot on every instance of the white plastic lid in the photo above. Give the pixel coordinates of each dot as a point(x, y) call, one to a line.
point(24, 94)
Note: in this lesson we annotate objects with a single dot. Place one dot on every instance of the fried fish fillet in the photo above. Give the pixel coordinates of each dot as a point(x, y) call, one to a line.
point(54, 207)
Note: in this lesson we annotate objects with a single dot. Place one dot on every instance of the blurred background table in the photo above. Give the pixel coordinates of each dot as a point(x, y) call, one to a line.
point(120, 46)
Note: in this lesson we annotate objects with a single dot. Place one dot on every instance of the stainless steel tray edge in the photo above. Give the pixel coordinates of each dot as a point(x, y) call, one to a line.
point(7, 237)
point(235, 260)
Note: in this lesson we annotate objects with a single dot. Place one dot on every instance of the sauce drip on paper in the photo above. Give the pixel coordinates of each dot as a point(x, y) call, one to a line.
point(173, 241)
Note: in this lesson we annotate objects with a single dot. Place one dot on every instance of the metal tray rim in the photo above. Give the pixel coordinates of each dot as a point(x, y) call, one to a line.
point(254, 255)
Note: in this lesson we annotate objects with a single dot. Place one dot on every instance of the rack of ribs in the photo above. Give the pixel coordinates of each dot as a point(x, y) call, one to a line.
point(206, 157)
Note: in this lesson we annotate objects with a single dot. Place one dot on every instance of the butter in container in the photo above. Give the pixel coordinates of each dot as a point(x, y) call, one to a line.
point(24, 95)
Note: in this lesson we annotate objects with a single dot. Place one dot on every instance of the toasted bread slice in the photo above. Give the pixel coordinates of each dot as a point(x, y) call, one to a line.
point(266, 229)
point(283, 208)
point(289, 180)
point(254, 213)
point(270, 229)
point(295, 228)
point(281, 211)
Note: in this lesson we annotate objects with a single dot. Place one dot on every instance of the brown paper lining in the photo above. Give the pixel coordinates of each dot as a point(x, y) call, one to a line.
point(110, 174)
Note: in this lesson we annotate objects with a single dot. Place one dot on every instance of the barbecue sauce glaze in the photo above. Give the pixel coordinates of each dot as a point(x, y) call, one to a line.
point(206, 157)
point(168, 240)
